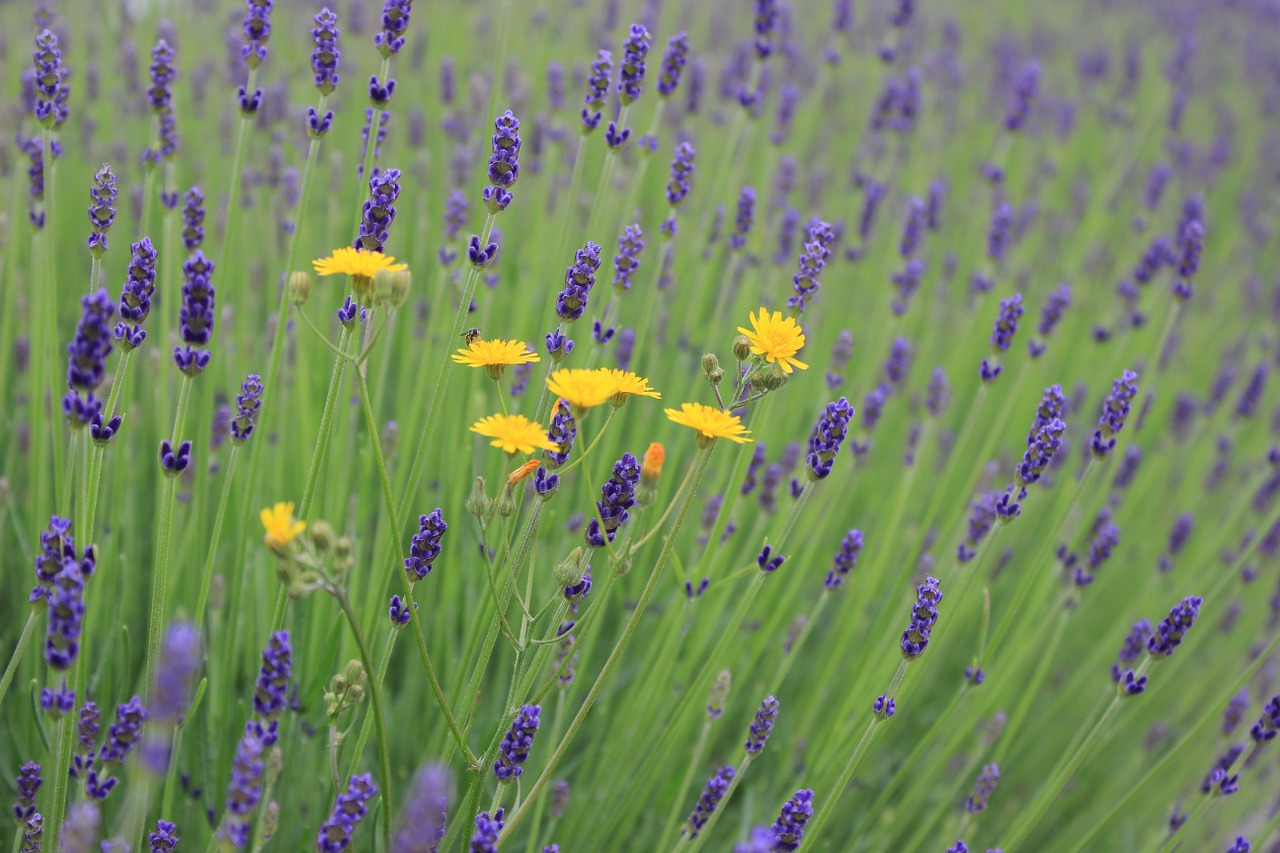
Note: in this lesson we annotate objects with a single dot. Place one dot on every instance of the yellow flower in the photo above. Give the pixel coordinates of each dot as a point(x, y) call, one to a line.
point(513, 433)
point(710, 422)
point(582, 389)
point(353, 262)
point(495, 355)
point(280, 526)
point(629, 385)
point(776, 339)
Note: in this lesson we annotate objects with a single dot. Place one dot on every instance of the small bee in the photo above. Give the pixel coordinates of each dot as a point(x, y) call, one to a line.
point(470, 336)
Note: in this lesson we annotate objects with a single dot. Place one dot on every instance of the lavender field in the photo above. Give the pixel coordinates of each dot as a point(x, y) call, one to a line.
point(632, 425)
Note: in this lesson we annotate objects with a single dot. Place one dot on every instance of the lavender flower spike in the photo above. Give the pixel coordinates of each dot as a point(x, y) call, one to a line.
point(1168, 635)
point(1114, 412)
point(717, 786)
point(924, 615)
point(135, 296)
point(788, 829)
point(422, 824)
point(597, 89)
point(827, 437)
point(348, 810)
point(762, 726)
point(617, 495)
point(673, 62)
point(983, 788)
point(845, 560)
point(516, 743)
point(485, 839)
point(424, 548)
point(631, 72)
point(102, 211)
point(248, 401)
point(326, 58)
point(1006, 326)
point(271, 692)
point(195, 317)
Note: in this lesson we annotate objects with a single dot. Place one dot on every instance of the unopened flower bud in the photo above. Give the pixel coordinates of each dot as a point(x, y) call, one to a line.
point(741, 348)
point(569, 572)
point(507, 503)
point(270, 821)
point(477, 502)
point(719, 693)
point(709, 363)
point(299, 287)
point(775, 379)
point(322, 536)
point(399, 284)
point(715, 377)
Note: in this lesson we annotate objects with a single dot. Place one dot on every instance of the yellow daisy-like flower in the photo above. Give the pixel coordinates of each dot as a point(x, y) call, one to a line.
point(513, 433)
point(776, 339)
point(353, 262)
point(582, 389)
point(629, 385)
point(280, 526)
point(710, 422)
point(495, 355)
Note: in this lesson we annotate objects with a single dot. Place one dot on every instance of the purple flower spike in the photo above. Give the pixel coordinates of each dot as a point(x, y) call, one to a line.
point(563, 431)
point(422, 824)
point(1168, 635)
point(1268, 724)
point(717, 786)
point(788, 829)
point(762, 726)
point(578, 279)
point(924, 615)
point(271, 692)
point(1025, 86)
point(257, 30)
point(812, 261)
point(379, 211)
point(631, 72)
point(516, 743)
point(135, 296)
point(673, 62)
point(87, 358)
point(349, 809)
point(626, 262)
point(983, 788)
point(424, 548)
point(845, 560)
point(597, 89)
point(488, 828)
point(681, 174)
point(1115, 411)
point(766, 21)
point(325, 59)
point(827, 437)
point(102, 210)
point(165, 839)
point(395, 22)
point(248, 401)
point(617, 495)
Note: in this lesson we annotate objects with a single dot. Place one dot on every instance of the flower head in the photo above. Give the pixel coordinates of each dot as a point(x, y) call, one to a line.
point(495, 355)
point(776, 339)
point(629, 384)
point(710, 423)
point(583, 389)
point(356, 263)
point(280, 525)
point(513, 433)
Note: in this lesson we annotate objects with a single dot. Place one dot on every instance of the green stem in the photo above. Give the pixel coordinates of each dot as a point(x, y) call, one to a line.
point(379, 719)
point(164, 543)
point(16, 657)
point(700, 463)
point(207, 575)
point(407, 588)
point(695, 759)
point(442, 377)
point(326, 425)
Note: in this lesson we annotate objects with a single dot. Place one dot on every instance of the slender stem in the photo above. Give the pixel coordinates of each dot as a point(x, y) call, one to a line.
point(51, 284)
point(164, 542)
point(695, 758)
point(326, 425)
point(207, 575)
point(700, 463)
point(372, 425)
point(379, 719)
point(860, 751)
point(442, 377)
point(237, 170)
point(16, 657)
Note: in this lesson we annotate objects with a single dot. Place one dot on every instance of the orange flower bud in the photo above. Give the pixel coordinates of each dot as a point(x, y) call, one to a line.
point(651, 469)
point(523, 471)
